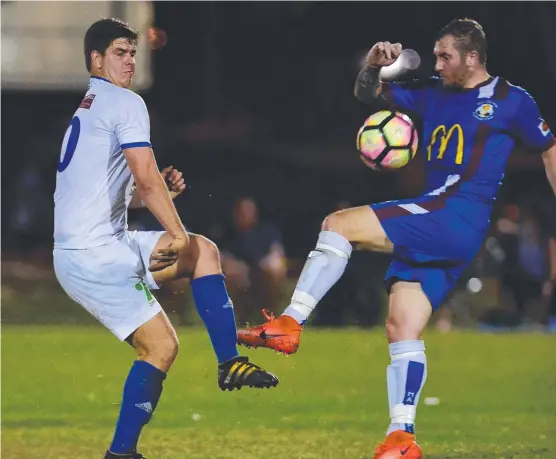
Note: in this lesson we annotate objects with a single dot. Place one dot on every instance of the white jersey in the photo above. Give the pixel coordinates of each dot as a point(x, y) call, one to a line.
point(94, 183)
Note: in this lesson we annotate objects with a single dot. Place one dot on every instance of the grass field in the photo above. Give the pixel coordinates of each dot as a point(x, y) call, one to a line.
point(61, 389)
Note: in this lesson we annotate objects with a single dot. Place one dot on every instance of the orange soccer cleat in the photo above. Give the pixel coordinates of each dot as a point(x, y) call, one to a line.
point(399, 445)
point(281, 334)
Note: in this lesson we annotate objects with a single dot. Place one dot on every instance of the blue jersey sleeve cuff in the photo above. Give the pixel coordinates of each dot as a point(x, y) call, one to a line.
point(542, 148)
point(127, 146)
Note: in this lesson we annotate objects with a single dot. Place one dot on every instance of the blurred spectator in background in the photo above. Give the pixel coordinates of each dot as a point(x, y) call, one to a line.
point(527, 264)
point(549, 288)
point(31, 220)
point(253, 261)
point(479, 295)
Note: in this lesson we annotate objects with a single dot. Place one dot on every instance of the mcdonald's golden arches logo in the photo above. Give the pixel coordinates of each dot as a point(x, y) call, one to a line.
point(441, 136)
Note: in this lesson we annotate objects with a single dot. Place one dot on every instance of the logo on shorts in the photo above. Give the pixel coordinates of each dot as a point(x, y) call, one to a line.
point(229, 304)
point(142, 286)
point(485, 111)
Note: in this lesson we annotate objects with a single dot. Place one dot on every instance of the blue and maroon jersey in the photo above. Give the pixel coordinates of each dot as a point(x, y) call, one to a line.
point(467, 138)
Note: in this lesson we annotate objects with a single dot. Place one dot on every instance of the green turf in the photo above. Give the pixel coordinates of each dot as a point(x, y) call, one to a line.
point(61, 390)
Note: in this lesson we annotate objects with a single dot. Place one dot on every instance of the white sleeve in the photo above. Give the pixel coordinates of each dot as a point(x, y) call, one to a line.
point(133, 127)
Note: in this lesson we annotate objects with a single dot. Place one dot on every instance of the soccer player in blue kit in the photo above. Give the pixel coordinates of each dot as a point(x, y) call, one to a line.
point(471, 123)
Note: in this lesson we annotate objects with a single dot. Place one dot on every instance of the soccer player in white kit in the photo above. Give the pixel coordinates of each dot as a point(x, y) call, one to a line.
point(106, 165)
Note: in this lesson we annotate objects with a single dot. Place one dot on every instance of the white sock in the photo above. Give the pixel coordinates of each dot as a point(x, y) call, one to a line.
point(323, 268)
point(405, 376)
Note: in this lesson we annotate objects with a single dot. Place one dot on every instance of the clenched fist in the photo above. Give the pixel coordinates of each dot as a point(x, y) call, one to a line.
point(383, 53)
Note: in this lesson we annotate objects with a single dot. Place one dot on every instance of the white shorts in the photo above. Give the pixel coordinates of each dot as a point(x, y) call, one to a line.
point(112, 281)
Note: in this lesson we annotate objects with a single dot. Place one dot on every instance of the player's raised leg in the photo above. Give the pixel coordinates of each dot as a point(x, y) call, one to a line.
point(156, 345)
point(200, 261)
point(409, 311)
point(357, 227)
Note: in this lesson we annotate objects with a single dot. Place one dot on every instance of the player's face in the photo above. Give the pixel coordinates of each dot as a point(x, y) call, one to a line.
point(118, 63)
point(450, 64)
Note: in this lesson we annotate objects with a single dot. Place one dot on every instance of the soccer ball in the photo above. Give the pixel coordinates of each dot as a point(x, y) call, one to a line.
point(387, 140)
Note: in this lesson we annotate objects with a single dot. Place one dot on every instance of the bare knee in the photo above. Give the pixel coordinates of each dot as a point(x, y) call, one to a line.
point(167, 350)
point(361, 227)
point(401, 329)
point(156, 342)
point(201, 258)
point(207, 249)
point(208, 257)
point(161, 352)
point(335, 222)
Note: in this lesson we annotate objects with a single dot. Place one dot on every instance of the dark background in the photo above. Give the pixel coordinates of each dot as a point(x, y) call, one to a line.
point(256, 98)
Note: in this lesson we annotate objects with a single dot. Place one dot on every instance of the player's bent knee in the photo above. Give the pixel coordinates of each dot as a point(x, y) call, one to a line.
point(163, 353)
point(207, 260)
point(170, 349)
point(156, 342)
point(201, 257)
point(335, 222)
point(401, 330)
point(200, 248)
point(207, 248)
point(361, 227)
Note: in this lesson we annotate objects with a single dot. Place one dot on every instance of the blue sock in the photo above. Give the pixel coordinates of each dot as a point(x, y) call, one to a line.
point(141, 394)
point(217, 311)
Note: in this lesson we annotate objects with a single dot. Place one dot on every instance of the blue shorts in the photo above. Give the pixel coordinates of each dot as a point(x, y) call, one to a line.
point(433, 244)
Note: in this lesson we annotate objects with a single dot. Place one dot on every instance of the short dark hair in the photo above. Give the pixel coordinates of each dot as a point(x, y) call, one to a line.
point(103, 32)
point(469, 36)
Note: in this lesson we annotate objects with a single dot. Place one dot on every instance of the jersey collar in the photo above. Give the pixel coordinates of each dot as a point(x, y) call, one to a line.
point(101, 78)
point(480, 85)
point(484, 83)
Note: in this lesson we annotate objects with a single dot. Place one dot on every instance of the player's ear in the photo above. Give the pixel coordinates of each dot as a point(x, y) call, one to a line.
point(96, 60)
point(471, 58)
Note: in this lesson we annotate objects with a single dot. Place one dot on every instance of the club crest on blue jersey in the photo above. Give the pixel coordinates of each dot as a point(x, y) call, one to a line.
point(485, 111)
